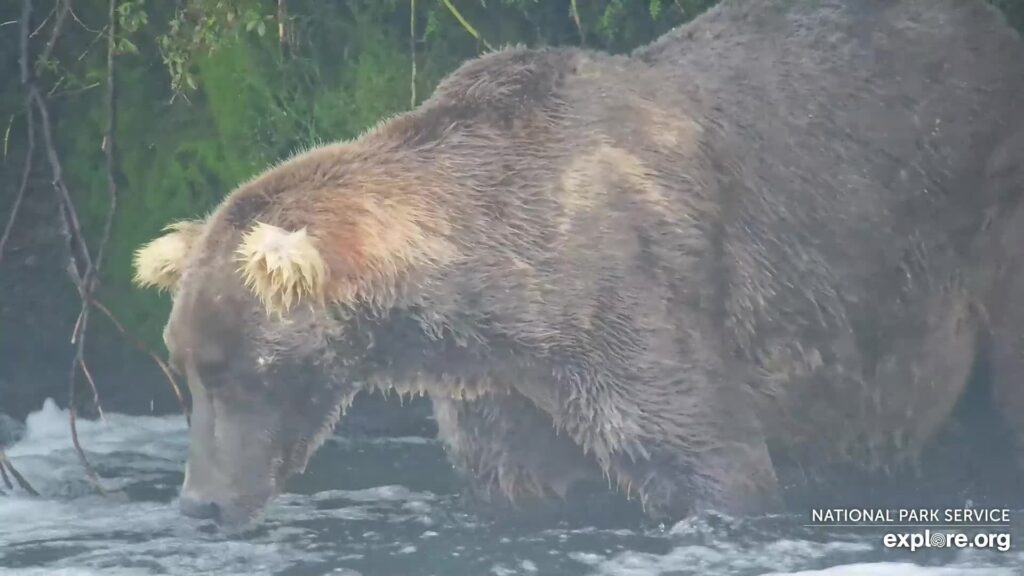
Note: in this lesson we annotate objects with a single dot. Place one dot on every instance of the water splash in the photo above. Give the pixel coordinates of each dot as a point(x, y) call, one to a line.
point(377, 506)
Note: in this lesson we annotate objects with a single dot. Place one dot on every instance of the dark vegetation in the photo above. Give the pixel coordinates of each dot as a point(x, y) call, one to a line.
point(119, 116)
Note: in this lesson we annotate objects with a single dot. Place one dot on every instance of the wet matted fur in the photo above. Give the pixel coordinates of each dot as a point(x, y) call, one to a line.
point(778, 233)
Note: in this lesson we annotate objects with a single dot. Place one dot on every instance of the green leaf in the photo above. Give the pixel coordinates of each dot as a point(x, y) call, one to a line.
point(126, 46)
point(655, 9)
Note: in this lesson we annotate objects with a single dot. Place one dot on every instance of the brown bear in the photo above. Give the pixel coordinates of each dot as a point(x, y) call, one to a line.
point(779, 232)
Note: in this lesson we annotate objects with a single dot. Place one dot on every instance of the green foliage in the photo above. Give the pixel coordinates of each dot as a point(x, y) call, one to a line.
point(131, 16)
point(201, 27)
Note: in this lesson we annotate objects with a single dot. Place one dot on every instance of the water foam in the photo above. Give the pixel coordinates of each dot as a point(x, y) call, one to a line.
point(396, 520)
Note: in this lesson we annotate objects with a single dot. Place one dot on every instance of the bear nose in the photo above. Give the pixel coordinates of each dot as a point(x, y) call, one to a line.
point(200, 509)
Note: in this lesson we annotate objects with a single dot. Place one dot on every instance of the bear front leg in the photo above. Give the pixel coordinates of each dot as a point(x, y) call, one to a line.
point(672, 482)
point(1005, 317)
point(1007, 362)
point(508, 449)
point(681, 445)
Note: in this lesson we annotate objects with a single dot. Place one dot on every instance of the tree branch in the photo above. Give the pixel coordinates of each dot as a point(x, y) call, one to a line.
point(465, 24)
point(282, 30)
point(6, 463)
point(75, 240)
point(576, 18)
point(412, 52)
point(62, 8)
point(109, 150)
point(3, 473)
point(70, 227)
point(134, 341)
point(23, 186)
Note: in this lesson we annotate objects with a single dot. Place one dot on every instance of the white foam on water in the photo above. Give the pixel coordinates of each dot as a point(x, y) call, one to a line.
point(105, 536)
point(47, 432)
point(899, 569)
point(723, 558)
point(376, 494)
point(109, 534)
point(71, 572)
point(72, 531)
point(779, 558)
point(47, 459)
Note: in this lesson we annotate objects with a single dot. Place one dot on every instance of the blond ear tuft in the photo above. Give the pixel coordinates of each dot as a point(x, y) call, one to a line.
point(159, 263)
point(282, 267)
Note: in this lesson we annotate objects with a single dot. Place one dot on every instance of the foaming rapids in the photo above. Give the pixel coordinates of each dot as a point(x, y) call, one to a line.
point(381, 505)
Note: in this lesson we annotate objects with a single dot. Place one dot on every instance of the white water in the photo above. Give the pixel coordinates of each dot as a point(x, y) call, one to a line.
point(373, 507)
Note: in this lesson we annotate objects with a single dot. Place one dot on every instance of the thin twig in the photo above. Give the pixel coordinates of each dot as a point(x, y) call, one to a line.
point(95, 39)
point(80, 23)
point(75, 238)
point(70, 227)
point(26, 14)
point(3, 473)
point(62, 8)
point(7, 135)
point(108, 146)
point(138, 344)
point(469, 27)
point(43, 23)
point(23, 186)
point(90, 472)
point(91, 277)
point(56, 85)
point(5, 461)
point(74, 91)
point(576, 18)
point(412, 52)
point(95, 394)
point(282, 32)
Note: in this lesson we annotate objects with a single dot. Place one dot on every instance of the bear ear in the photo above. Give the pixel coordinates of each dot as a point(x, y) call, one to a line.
point(160, 262)
point(282, 267)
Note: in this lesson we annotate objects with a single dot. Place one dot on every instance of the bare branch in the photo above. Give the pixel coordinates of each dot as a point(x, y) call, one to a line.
point(26, 17)
point(137, 343)
point(90, 472)
point(412, 52)
point(62, 8)
point(3, 473)
point(70, 227)
point(23, 186)
point(282, 30)
point(75, 239)
point(80, 23)
point(576, 18)
point(92, 385)
point(6, 462)
point(92, 43)
point(43, 23)
point(108, 145)
point(465, 24)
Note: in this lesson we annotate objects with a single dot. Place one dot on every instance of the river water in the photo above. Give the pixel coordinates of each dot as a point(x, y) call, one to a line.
point(390, 506)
